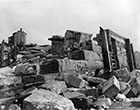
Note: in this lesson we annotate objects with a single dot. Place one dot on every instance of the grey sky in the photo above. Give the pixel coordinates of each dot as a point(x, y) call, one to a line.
point(43, 18)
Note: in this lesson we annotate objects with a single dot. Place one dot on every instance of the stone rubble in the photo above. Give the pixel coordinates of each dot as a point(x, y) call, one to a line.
point(72, 78)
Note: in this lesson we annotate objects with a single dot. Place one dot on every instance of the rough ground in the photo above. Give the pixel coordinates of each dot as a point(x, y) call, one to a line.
point(133, 105)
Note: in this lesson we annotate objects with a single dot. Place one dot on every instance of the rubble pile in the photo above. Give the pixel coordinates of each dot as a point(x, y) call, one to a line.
point(75, 73)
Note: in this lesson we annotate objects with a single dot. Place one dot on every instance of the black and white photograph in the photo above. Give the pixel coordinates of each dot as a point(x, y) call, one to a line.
point(69, 54)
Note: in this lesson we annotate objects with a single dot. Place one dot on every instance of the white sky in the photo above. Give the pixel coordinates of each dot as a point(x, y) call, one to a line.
point(41, 19)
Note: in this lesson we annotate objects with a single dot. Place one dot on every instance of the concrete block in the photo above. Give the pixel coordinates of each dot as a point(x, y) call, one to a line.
point(30, 79)
point(48, 67)
point(111, 87)
point(135, 87)
point(132, 93)
point(75, 81)
point(135, 82)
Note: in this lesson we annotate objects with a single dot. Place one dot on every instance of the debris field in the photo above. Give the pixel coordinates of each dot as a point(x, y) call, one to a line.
point(78, 71)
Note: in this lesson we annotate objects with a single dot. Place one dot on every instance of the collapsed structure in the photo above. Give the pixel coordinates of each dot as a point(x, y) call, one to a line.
point(114, 47)
point(75, 72)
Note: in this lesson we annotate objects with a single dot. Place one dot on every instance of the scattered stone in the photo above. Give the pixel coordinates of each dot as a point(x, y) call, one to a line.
point(102, 103)
point(49, 66)
point(79, 100)
point(26, 69)
point(8, 78)
point(135, 73)
point(96, 80)
point(71, 95)
point(122, 74)
point(132, 93)
point(40, 98)
point(6, 71)
point(121, 97)
point(124, 87)
point(9, 81)
point(111, 87)
point(55, 86)
point(32, 79)
point(75, 81)
point(89, 92)
point(135, 87)
point(38, 75)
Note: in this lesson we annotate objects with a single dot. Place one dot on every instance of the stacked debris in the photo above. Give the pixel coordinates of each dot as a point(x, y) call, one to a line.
point(16, 84)
point(76, 72)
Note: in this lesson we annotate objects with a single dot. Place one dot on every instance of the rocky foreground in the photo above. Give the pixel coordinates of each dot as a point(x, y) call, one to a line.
point(22, 88)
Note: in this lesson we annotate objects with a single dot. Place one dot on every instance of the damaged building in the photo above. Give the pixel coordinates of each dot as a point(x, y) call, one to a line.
point(114, 48)
point(77, 72)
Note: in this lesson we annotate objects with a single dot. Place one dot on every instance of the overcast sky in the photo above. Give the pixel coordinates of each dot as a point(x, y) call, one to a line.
point(41, 19)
